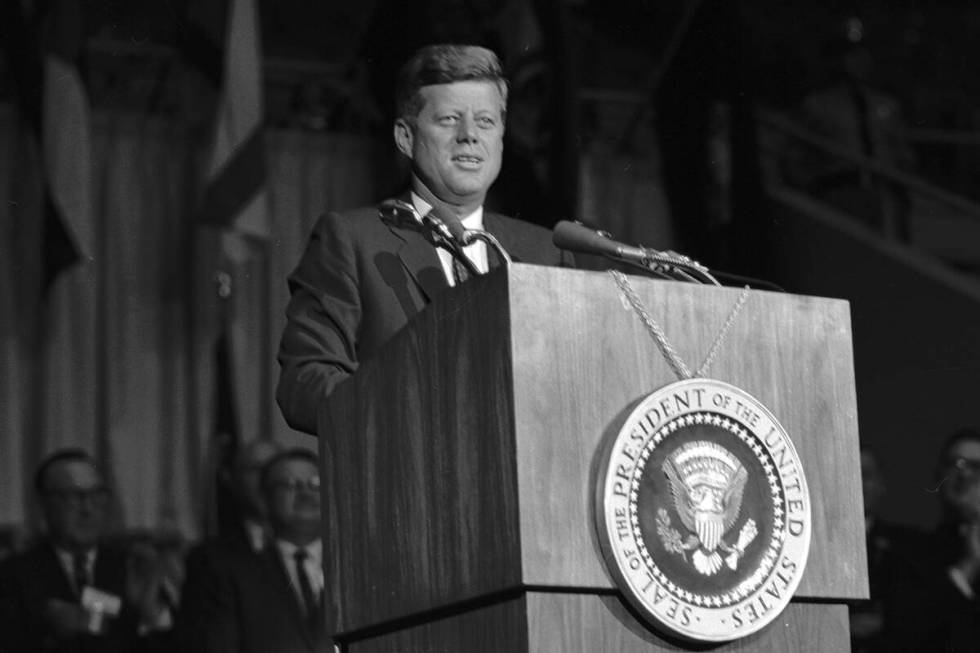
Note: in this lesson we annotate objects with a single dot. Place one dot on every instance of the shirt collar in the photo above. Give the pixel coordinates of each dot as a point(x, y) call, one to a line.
point(255, 534)
point(314, 549)
point(67, 561)
point(67, 558)
point(472, 221)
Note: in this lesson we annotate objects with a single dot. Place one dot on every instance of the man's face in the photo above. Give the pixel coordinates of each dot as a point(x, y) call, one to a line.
point(961, 476)
point(74, 501)
point(294, 499)
point(457, 140)
point(248, 468)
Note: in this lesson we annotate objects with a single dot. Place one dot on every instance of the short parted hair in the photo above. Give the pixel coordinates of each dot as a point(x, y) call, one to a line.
point(445, 64)
point(295, 453)
point(966, 434)
point(55, 457)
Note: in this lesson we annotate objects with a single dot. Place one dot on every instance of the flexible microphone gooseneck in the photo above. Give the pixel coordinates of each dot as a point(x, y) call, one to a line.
point(395, 210)
point(576, 237)
point(469, 236)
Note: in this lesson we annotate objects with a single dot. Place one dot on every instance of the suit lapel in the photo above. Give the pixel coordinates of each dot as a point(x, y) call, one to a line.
point(279, 577)
point(419, 258)
point(52, 575)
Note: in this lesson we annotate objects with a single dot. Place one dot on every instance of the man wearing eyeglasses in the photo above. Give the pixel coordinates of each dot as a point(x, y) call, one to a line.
point(273, 601)
point(72, 592)
point(245, 531)
point(959, 533)
point(939, 605)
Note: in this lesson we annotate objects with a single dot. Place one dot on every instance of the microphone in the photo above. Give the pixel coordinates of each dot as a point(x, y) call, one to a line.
point(453, 225)
point(445, 229)
point(465, 236)
point(394, 209)
point(576, 237)
point(434, 223)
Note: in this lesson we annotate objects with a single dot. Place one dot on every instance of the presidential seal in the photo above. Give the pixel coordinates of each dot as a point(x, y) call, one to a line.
point(703, 511)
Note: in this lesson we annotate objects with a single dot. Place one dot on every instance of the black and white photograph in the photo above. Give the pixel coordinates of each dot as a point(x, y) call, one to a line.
point(489, 326)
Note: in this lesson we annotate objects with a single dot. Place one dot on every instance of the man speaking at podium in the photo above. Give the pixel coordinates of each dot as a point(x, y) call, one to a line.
point(366, 272)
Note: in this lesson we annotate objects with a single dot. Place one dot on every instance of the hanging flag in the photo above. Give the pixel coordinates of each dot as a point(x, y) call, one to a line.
point(54, 104)
point(223, 516)
point(67, 140)
point(222, 43)
point(234, 195)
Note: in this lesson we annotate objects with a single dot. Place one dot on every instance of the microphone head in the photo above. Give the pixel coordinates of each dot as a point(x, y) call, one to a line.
point(453, 224)
point(397, 209)
point(576, 237)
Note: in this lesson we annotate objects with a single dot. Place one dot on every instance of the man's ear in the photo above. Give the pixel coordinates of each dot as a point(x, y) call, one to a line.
point(404, 137)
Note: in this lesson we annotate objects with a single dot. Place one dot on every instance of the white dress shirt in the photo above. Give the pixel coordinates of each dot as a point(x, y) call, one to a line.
point(477, 252)
point(68, 565)
point(313, 565)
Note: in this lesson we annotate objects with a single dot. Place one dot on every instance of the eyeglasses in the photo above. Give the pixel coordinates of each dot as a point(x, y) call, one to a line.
point(295, 484)
point(964, 466)
point(96, 496)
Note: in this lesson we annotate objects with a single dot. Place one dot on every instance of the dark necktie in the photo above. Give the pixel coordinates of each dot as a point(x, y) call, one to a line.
point(79, 563)
point(460, 273)
point(305, 588)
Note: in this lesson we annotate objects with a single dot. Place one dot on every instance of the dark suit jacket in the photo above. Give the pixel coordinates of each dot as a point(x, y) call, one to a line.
point(29, 580)
point(925, 611)
point(248, 605)
point(202, 562)
point(359, 281)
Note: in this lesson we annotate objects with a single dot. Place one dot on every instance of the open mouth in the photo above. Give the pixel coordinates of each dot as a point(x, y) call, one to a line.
point(467, 160)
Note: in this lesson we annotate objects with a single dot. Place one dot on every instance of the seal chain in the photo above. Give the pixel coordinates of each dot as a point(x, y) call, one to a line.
point(657, 333)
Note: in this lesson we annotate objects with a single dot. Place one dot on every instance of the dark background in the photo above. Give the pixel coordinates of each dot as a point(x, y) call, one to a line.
point(645, 79)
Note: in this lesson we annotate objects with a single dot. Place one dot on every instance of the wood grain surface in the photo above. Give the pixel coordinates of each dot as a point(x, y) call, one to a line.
point(461, 460)
point(545, 622)
point(582, 359)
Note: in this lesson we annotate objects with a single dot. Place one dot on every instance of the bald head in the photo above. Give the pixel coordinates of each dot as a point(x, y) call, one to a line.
point(74, 497)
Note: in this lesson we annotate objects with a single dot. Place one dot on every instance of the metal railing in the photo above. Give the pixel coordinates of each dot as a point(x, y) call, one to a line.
point(910, 181)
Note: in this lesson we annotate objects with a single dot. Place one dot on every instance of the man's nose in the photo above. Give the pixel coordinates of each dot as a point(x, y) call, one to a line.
point(466, 130)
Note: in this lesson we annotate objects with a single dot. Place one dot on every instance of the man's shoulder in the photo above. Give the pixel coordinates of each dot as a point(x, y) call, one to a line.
point(526, 242)
point(219, 550)
point(516, 224)
point(362, 227)
point(357, 219)
point(28, 560)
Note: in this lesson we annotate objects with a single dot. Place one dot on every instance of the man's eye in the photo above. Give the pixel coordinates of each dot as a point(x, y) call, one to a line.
point(447, 120)
point(486, 121)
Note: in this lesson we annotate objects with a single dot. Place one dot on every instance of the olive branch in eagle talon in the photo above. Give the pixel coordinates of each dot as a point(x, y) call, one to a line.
point(671, 538)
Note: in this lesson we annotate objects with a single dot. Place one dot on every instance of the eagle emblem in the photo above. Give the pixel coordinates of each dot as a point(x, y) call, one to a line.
point(706, 483)
point(694, 507)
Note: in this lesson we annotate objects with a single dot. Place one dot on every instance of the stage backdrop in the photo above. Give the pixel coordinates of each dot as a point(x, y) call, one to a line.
point(119, 357)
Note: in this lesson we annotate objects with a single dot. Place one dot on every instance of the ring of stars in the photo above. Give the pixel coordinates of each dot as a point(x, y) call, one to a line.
point(774, 547)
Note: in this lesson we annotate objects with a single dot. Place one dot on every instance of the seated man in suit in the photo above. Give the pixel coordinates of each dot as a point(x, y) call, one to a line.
point(363, 276)
point(247, 531)
point(246, 525)
point(72, 592)
point(935, 602)
point(272, 601)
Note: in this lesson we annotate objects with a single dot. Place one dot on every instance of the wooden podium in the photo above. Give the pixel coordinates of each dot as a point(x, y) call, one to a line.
point(460, 462)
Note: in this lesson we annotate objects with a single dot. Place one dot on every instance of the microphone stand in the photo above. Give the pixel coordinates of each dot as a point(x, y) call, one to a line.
point(678, 266)
point(576, 236)
point(469, 235)
point(437, 230)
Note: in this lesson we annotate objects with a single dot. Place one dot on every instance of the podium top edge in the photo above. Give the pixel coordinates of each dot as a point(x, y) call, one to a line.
point(520, 271)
